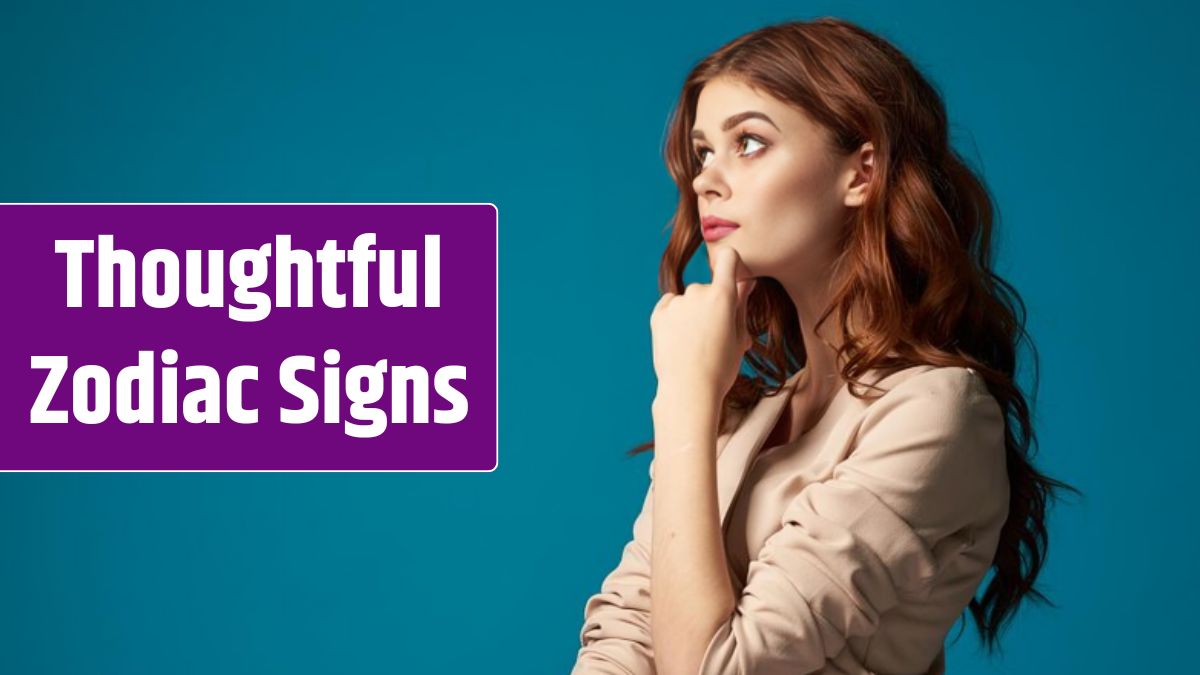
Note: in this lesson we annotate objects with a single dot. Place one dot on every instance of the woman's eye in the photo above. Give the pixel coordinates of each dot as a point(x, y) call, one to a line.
point(751, 139)
point(743, 140)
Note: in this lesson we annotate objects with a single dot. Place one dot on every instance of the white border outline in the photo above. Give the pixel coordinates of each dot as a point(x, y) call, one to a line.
point(494, 209)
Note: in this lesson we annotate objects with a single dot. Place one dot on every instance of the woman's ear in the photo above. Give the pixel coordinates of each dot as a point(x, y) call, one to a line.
point(861, 170)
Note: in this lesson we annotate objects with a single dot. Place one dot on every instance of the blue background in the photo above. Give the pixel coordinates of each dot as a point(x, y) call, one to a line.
point(1081, 121)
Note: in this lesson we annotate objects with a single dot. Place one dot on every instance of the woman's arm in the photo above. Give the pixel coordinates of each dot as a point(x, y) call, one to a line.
point(692, 592)
point(615, 638)
point(699, 340)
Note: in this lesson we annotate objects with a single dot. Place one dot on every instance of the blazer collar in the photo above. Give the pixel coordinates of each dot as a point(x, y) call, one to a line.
point(745, 442)
point(750, 434)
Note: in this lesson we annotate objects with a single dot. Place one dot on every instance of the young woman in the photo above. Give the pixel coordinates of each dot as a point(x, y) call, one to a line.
point(842, 519)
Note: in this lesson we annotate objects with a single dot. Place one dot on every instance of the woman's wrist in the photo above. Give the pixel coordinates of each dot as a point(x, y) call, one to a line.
point(674, 399)
point(685, 421)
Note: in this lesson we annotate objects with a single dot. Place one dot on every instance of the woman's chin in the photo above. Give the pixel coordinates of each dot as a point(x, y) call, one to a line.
point(745, 268)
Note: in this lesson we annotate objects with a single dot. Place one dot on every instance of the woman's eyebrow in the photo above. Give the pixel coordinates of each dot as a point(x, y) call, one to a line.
point(734, 119)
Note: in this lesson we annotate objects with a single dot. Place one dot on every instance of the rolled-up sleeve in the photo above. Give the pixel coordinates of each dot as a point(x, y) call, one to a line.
point(615, 638)
point(923, 469)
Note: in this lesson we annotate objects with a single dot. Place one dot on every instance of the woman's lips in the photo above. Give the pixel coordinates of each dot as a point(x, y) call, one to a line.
point(713, 228)
point(717, 231)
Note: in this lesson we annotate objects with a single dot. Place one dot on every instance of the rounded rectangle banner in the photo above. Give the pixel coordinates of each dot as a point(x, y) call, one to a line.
point(251, 337)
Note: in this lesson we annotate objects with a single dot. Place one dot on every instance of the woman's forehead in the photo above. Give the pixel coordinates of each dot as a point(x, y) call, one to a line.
point(720, 95)
point(724, 97)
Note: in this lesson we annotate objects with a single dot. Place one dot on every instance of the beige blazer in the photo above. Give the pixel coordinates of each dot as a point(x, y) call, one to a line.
point(852, 549)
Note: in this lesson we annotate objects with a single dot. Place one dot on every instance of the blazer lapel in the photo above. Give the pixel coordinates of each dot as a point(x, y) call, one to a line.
point(744, 444)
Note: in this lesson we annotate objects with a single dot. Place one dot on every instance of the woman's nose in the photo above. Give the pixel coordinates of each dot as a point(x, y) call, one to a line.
point(709, 182)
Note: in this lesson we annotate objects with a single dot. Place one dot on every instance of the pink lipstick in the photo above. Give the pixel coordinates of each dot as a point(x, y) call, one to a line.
point(714, 228)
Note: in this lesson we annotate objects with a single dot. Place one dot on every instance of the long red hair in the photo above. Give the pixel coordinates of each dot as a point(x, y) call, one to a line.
point(916, 284)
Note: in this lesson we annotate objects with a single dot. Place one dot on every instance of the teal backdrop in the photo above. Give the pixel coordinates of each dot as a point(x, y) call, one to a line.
point(1082, 121)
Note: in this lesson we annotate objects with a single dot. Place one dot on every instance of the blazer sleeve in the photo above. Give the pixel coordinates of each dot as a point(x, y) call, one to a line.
point(928, 462)
point(615, 638)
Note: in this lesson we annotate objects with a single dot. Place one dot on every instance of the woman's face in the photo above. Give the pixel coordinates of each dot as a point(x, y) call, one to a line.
point(772, 170)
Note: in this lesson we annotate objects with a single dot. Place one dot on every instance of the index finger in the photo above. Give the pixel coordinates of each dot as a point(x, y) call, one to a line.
point(725, 269)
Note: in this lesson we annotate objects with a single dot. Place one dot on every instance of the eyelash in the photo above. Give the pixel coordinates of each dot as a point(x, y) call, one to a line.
point(696, 154)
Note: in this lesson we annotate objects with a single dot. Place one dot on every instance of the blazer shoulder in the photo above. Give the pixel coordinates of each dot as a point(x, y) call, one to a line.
point(952, 384)
point(955, 397)
point(952, 403)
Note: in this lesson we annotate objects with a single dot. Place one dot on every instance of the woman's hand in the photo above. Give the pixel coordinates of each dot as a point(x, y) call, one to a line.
point(700, 336)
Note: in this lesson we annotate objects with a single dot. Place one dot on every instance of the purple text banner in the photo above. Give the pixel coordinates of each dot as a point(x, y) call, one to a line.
point(250, 337)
